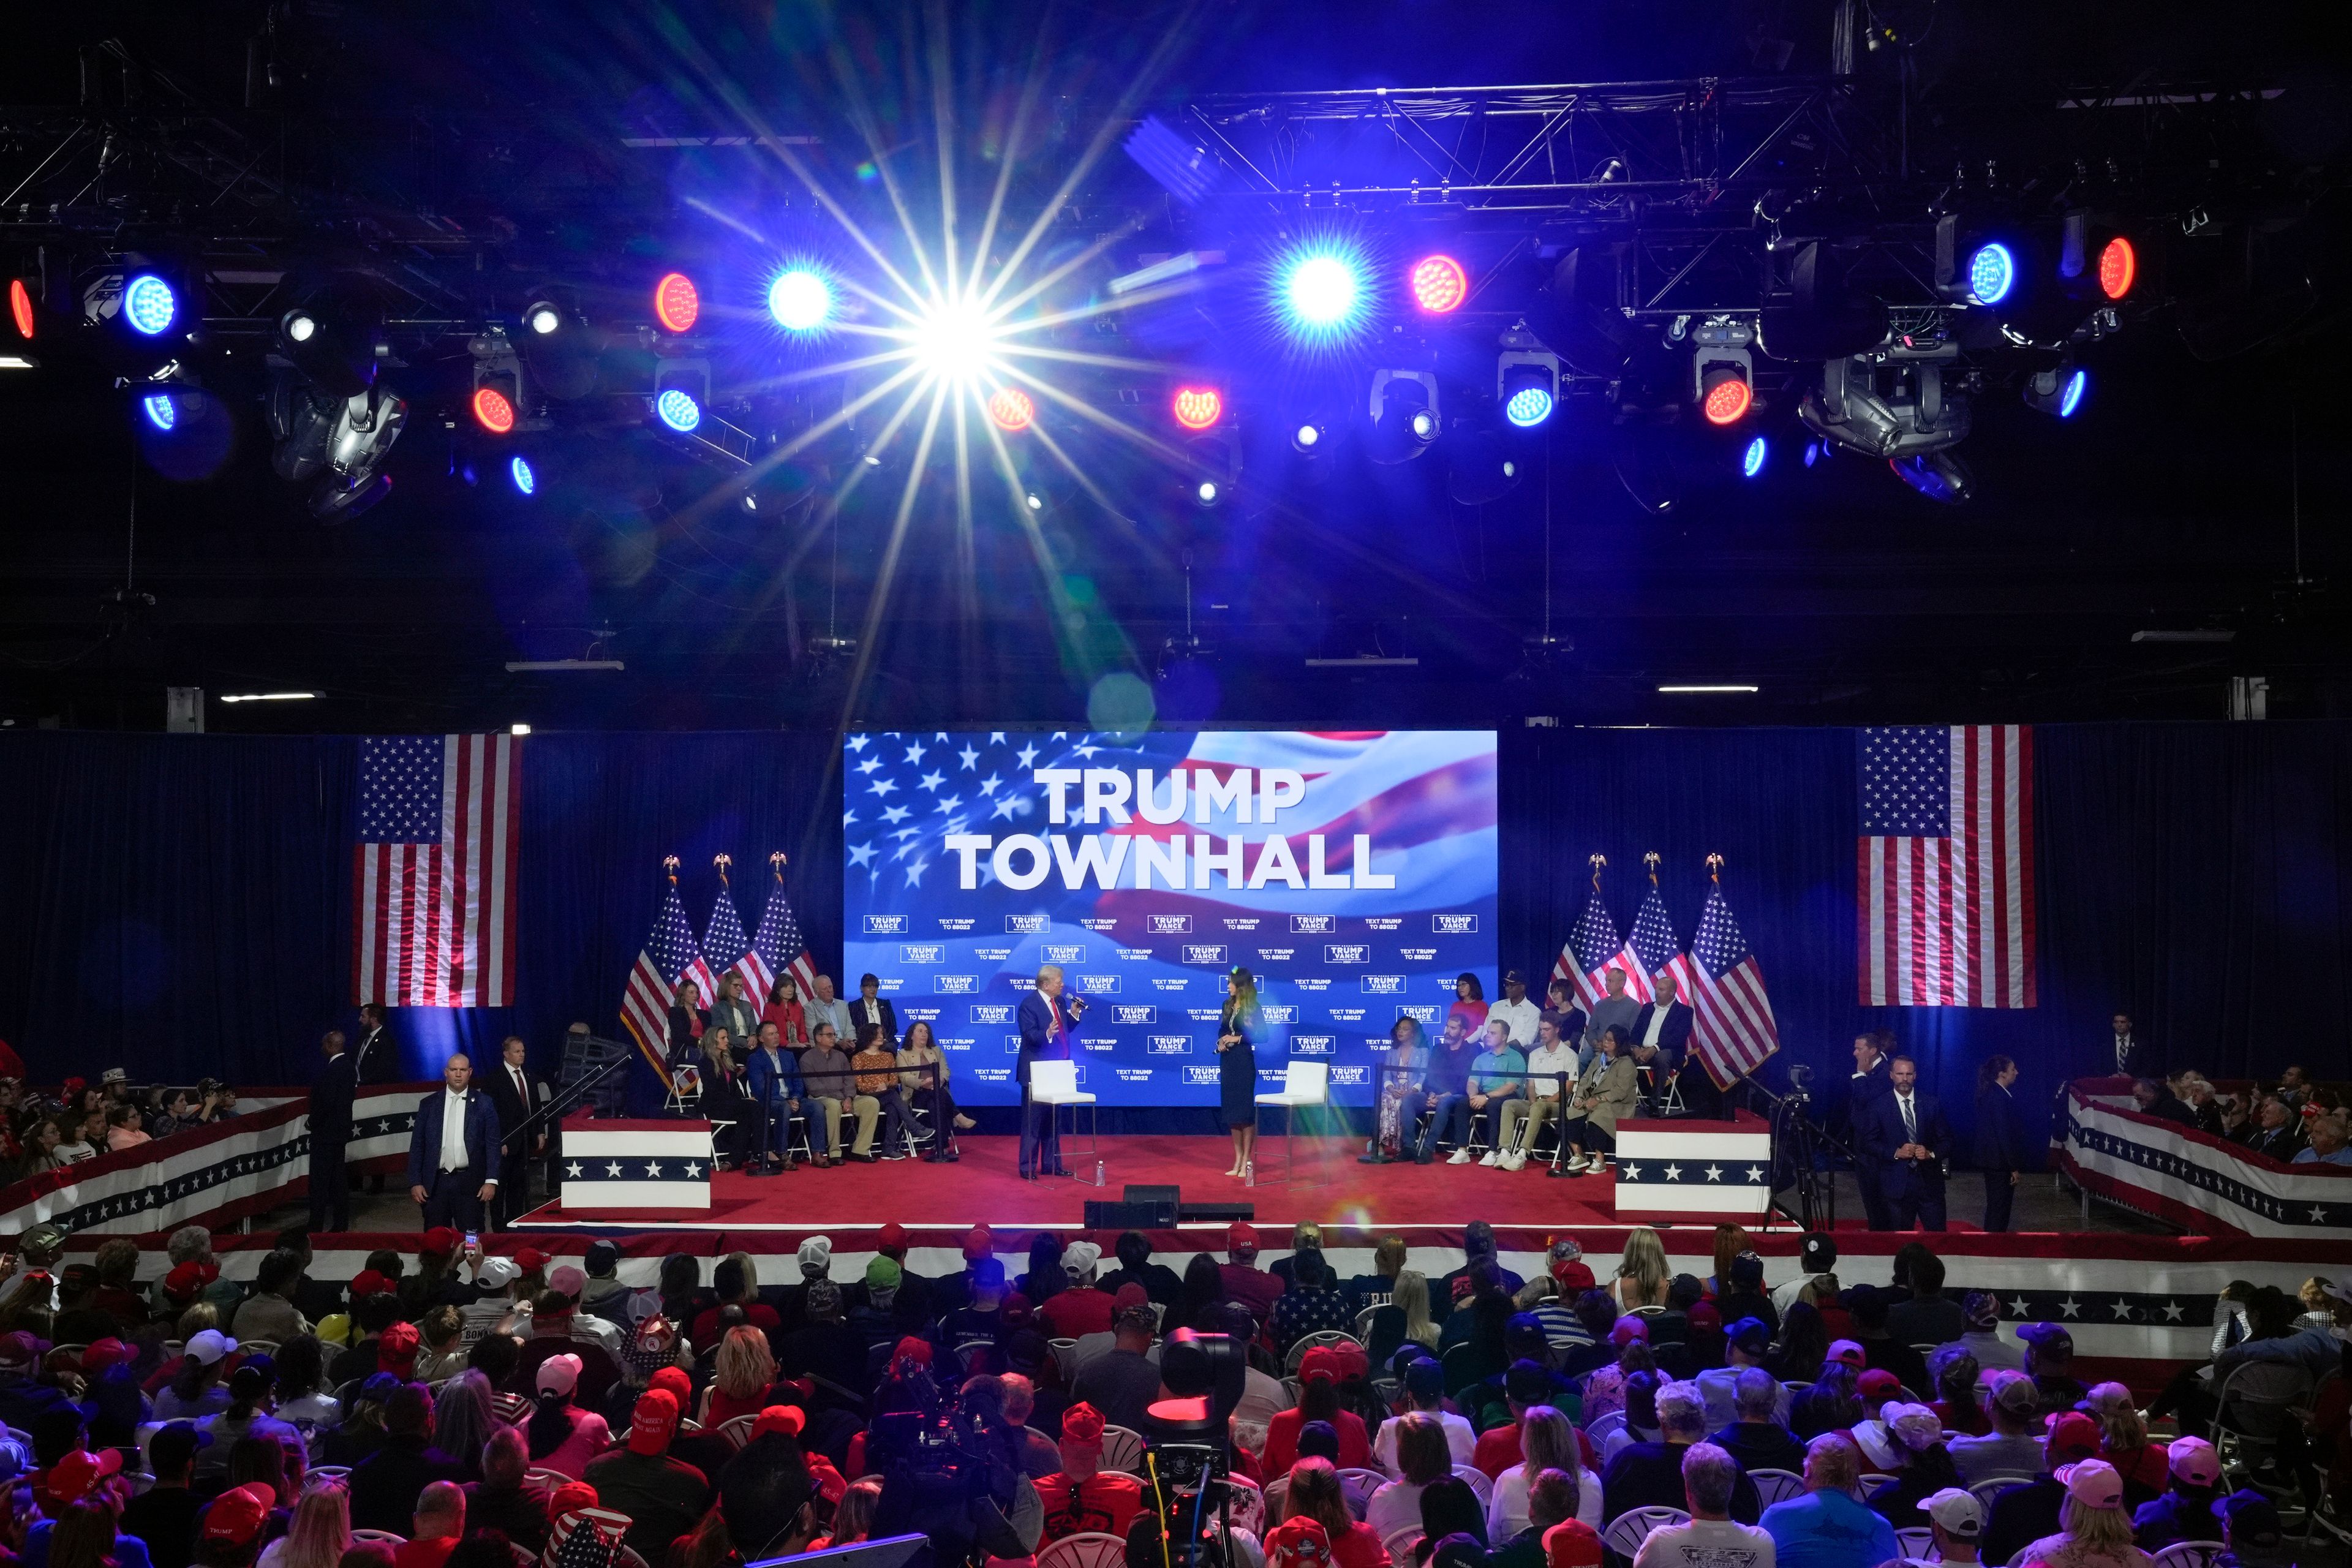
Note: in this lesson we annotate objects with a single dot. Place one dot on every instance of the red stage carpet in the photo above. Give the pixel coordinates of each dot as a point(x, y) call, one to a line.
point(1331, 1187)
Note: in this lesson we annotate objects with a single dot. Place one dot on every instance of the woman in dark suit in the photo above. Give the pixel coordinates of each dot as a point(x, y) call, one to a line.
point(2001, 1139)
point(1237, 1067)
point(687, 1019)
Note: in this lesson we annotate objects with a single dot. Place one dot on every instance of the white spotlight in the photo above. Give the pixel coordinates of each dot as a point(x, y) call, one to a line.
point(954, 339)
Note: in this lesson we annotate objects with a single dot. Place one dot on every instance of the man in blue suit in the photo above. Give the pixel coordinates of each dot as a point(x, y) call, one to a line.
point(453, 1151)
point(1905, 1137)
point(776, 1084)
point(1044, 1036)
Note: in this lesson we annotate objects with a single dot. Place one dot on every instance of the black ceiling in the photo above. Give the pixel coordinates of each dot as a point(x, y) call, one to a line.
point(2190, 494)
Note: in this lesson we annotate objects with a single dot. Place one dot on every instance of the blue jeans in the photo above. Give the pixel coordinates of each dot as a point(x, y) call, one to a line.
point(1453, 1111)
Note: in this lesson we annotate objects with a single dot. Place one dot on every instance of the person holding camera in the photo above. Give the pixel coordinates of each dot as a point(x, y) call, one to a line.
point(954, 1475)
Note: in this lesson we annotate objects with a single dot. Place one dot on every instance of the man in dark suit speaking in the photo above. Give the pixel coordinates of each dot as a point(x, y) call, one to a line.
point(1044, 1036)
point(1905, 1137)
point(453, 1151)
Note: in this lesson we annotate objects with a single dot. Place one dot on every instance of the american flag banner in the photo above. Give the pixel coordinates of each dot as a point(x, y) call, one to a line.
point(670, 954)
point(433, 884)
point(777, 947)
point(1651, 949)
point(724, 945)
point(1945, 906)
point(1592, 948)
point(1732, 1028)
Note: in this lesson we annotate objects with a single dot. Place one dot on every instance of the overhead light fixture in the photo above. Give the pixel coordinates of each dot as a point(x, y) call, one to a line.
point(20, 308)
point(1993, 273)
point(1704, 689)
point(270, 697)
point(678, 409)
point(800, 299)
point(542, 317)
point(954, 338)
point(2057, 391)
point(525, 477)
point(2195, 634)
point(1198, 407)
point(1723, 370)
point(1439, 284)
point(1526, 383)
point(498, 399)
point(1012, 410)
point(1405, 415)
point(339, 442)
point(1939, 474)
point(18, 362)
point(566, 666)
point(1321, 292)
point(677, 304)
point(149, 306)
point(1362, 661)
point(1753, 456)
point(518, 729)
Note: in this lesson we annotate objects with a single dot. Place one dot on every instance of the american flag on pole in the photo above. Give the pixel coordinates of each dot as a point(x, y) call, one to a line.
point(1732, 1028)
point(1592, 948)
point(1946, 901)
point(433, 884)
point(1652, 946)
point(777, 947)
point(724, 945)
point(670, 954)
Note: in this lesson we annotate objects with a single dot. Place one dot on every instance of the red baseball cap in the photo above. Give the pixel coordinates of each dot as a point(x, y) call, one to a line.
point(1573, 1274)
point(654, 1420)
point(185, 1280)
point(673, 1380)
point(238, 1515)
point(1319, 1363)
point(71, 1477)
point(1299, 1542)
point(1130, 1295)
point(1877, 1383)
point(395, 1348)
point(103, 1354)
point(1571, 1544)
point(918, 1351)
point(785, 1418)
point(530, 1260)
point(892, 1239)
point(978, 1243)
point(1082, 1427)
point(366, 1282)
point(441, 1241)
point(1240, 1237)
point(570, 1497)
point(2074, 1435)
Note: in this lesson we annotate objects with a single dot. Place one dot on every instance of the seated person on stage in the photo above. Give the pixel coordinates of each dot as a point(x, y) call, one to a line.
point(1606, 1091)
point(1494, 1082)
point(824, 1074)
point(1444, 1090)
point(1402, 1071)
point(1082, 1498)
point(876, 1066)
point(776, 1083)
point(1560, 1007)
point(1525, 1114)
point(726, 1096)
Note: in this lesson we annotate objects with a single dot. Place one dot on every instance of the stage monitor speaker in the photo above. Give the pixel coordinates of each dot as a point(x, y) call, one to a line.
point(1105, 1215)
point(1164, 1201)
point(1212, 1213)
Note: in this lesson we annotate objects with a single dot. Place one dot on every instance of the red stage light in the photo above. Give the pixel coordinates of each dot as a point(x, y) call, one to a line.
point(1727, 397)
point(2118, 267)
point(1198, 407)
point(676, 304)
point(20, 306)
point(493, 410)
point(1439, 284)
point(1011, 409)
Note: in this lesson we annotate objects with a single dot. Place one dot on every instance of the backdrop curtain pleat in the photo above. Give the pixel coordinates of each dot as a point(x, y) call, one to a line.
point(181, 904)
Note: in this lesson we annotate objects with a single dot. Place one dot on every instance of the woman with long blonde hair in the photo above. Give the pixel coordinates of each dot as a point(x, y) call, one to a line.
point(1412, 1298)
point(318, 1534)
point(1237, 1066)
point(1546, 1442)
point(1642, 1273)
point(746, 1369)
point(2094, 1530)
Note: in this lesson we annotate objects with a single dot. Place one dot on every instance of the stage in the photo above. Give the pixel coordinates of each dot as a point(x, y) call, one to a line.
point(1329, 1187)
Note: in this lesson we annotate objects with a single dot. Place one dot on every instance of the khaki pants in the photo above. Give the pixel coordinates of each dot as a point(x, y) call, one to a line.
point(867, 1108)
point(1522, 1120)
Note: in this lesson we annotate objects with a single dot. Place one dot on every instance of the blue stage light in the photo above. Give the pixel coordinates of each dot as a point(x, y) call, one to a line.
point(1752, 461)
point(1322, 291)
point(1529, 406)
point(2071, 399)
point(161, 411)
point(1993, 272)
point(801, 299)
point(678, 410)
point(148, 304)
point(518, 468)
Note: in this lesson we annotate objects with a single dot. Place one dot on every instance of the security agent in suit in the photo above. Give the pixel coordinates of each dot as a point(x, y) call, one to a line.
point(1872, 1077)
point(776, 1085)
point(873, 1008)
point(1905, 1136)
point(511, 1097)
point(2001, 1139)
point(331, 1130)
point(375, 1058)
point(453, 1183)
point(1044, 1036)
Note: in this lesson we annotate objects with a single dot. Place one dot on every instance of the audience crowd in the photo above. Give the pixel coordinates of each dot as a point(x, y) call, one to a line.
point(454, 1407)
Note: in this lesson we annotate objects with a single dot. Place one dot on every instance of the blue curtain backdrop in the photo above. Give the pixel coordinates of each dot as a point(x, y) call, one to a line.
point(181, 904)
